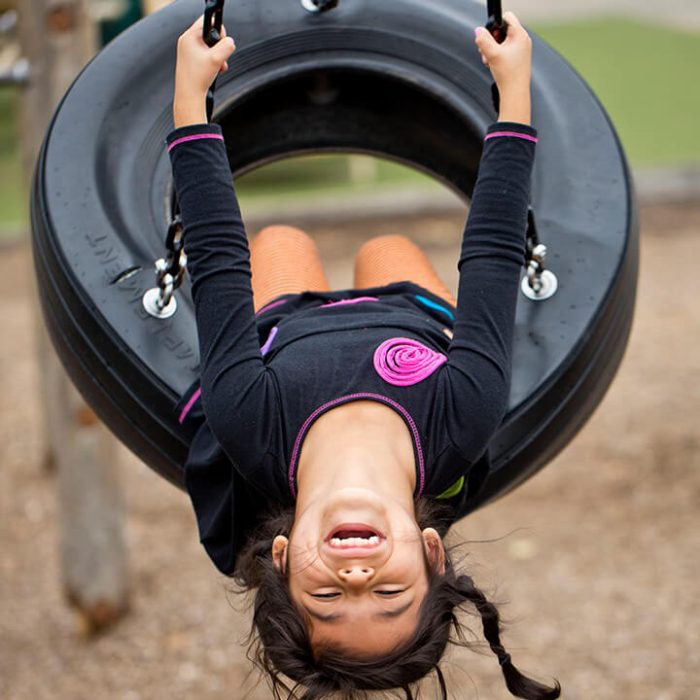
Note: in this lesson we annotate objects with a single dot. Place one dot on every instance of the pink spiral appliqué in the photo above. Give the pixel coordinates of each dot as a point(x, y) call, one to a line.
point(404, 361)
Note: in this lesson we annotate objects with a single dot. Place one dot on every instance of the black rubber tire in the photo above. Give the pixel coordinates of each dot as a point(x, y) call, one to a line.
point(400, 79)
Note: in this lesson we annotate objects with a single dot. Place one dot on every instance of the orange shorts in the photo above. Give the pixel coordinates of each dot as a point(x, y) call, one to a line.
point(285, 260)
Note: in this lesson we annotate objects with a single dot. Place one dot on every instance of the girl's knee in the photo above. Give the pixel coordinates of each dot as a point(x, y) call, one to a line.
point(282, 232)
point(380, 244)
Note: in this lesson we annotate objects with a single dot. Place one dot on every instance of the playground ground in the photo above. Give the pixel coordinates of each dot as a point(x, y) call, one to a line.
point(595, 559)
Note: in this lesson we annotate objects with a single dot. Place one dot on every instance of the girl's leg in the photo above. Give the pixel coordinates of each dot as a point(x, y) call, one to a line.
point(284, 260)
point(386, 259)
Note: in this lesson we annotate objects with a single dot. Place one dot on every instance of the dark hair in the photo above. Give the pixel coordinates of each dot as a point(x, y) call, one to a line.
point(282, 646)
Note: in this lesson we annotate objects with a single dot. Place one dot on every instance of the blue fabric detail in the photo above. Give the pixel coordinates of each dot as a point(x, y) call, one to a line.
point(433, 305)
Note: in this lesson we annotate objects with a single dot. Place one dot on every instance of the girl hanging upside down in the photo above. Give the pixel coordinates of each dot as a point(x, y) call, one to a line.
point(336, 435)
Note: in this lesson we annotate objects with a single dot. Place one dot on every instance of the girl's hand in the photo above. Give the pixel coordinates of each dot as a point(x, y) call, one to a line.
point(197, 67)
point(510, 61)
point(510, 65)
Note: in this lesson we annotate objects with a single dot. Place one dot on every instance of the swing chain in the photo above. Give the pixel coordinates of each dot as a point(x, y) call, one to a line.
point(538, 283)
point(160, 301)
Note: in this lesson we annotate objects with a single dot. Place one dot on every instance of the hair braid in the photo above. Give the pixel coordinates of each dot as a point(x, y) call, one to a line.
point(441, 680)
point(519, 685)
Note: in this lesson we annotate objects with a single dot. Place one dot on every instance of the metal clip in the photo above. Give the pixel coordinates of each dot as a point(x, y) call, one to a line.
point(539, 283)
point(319, 5)
point(213, 19)
point(211, 35)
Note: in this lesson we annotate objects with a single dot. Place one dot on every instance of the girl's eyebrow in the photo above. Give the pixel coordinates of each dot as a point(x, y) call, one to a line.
point(334, 617)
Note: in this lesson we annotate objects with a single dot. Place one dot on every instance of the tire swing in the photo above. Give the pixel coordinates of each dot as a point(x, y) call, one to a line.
point(395, 79)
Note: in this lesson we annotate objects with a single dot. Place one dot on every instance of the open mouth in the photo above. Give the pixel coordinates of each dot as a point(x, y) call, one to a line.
point(354, 535)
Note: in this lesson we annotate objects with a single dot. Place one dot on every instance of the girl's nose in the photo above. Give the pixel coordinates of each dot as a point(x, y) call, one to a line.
point(356, 575)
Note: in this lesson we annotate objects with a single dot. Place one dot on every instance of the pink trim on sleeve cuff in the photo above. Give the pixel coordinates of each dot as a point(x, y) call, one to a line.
point(527, 137)
point(194, 137)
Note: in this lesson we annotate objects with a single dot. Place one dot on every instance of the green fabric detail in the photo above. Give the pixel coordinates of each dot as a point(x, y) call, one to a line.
point(454, 489)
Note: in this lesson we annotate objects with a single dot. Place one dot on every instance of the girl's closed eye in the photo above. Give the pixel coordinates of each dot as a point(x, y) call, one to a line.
point(329, 596)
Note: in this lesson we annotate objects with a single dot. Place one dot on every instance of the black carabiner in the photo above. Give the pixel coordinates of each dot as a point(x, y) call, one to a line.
point(211, 34)
point(495, 23)
point(213, 19)
point(498, 29)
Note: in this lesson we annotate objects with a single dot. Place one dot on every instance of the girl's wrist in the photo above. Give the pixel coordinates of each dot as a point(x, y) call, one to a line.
point(515, 105)
point(189, 109)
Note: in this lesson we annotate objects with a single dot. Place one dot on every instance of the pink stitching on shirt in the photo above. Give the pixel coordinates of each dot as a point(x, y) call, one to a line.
point(188, 406)
point(271, 306)
point(377, 397)
point(343, 302)
point(194, 137)
point(527, 137)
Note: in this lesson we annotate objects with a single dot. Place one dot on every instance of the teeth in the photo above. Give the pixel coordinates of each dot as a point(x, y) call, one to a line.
point(354, 541)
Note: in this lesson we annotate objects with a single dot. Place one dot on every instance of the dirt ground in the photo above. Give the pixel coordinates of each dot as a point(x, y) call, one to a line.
point(595, 563)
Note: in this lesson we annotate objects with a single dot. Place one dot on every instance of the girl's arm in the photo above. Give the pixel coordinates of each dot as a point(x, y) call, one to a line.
point(510, 64)
point(492, 254)
point(238, 395)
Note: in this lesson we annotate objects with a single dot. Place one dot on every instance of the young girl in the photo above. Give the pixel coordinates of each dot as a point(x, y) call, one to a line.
point(357, 410)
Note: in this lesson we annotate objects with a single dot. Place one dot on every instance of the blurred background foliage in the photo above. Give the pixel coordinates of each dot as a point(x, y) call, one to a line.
point(645, 76)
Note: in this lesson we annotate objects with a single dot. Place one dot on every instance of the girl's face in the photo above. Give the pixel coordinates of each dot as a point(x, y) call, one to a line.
point(357, 570)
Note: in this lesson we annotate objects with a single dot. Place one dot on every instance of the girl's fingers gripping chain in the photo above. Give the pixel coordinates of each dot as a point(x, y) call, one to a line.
point(509, 61)
point(197, 64)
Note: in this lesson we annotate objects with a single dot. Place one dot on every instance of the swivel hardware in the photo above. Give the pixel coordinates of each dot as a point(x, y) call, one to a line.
point(319, 5)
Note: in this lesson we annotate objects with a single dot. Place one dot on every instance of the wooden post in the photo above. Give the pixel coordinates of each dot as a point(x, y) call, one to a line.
point(58, 37)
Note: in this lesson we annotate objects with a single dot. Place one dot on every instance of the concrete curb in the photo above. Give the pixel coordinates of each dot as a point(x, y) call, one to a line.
point(668, 185)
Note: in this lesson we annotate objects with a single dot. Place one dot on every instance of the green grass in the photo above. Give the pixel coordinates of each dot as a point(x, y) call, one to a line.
point(13, 201)
point(644, 75)
point(324, 175)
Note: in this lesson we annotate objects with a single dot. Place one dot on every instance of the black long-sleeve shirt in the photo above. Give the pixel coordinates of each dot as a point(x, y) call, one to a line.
point(265, 378)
